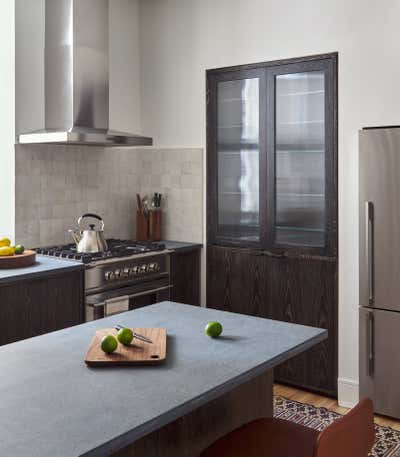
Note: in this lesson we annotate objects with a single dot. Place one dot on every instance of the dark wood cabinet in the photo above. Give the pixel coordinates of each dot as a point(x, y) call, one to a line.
point(185, 276)
point(272, 201)
point(32, 307)
point(236, 280)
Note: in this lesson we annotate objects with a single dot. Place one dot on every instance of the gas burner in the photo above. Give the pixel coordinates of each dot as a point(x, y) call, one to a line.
point(116, 249)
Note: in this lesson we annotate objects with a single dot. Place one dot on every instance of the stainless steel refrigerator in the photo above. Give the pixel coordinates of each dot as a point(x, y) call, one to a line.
point(379, 263)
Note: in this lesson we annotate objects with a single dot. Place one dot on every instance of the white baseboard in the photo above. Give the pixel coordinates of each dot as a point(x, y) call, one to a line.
point(347, 392)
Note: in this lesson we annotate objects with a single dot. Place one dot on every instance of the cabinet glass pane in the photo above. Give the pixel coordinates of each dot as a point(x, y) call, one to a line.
point(238, 159)
point(300, 159)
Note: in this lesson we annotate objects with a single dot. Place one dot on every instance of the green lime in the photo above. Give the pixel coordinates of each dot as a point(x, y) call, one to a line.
point(109, 344)
point(19, 249)
point(213, 329)
point(125, 335)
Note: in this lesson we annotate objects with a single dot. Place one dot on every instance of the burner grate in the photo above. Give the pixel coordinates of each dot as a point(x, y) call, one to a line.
point(116, 249)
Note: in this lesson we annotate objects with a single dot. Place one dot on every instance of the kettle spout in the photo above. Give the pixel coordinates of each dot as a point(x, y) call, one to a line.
point(76, 235)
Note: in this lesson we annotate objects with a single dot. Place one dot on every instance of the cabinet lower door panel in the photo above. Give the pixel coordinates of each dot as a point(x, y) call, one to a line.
point(34, 307)
point(302, 291)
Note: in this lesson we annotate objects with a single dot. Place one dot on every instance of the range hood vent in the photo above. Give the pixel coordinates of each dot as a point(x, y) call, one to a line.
point(77, 77)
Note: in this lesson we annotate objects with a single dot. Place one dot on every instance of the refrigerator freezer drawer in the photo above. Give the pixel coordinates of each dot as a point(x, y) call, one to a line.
point(380, 359)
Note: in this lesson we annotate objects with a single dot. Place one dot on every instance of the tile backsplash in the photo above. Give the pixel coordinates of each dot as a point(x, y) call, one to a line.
point(54, 185)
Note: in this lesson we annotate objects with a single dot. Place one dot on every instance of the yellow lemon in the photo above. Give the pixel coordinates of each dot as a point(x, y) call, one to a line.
point(5, 242)
point(6, 250)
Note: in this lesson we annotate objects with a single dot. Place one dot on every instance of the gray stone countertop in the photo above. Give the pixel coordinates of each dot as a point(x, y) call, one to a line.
point(44, 265)
point(53, 405)
point(181, 245)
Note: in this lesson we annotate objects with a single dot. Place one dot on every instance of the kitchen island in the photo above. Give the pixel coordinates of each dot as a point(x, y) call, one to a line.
point(53, 405)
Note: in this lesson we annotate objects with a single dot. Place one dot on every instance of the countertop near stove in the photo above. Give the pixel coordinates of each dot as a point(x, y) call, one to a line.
point(180, 246)
point(54, 405)
point(44, 266)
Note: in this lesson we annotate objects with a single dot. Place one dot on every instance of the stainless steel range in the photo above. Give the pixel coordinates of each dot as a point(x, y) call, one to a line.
point(128, 275)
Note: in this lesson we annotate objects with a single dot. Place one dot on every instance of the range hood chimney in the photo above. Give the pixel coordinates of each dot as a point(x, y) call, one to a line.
point(77, 77)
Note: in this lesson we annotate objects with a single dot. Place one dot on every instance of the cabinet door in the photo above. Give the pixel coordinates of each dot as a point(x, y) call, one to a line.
point(33, 307)
point(236, 280)
point(301, 196)
point(303, 291)
point(185, 277)
point(236, 109)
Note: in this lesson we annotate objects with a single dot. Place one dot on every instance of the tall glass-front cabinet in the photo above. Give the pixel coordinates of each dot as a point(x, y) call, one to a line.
point(272, 200)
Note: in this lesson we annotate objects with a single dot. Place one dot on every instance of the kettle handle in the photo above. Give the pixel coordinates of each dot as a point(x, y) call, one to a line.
point(95, 216)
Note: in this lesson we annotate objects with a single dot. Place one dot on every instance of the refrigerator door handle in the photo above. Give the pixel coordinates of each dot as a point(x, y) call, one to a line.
point(369, 249)
point(370, 343)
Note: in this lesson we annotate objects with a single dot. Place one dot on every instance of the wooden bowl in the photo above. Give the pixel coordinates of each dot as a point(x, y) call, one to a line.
point(26, 259)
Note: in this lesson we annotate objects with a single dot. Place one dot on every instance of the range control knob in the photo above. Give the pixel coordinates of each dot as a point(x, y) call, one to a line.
point(151, 267)
point(156, 266)
point(143, 268)
point(125, 273)
point(117, 273)
point(109, 275)
point(135, 271)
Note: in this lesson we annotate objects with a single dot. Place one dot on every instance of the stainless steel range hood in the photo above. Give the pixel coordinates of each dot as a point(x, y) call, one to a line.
point(77, 77)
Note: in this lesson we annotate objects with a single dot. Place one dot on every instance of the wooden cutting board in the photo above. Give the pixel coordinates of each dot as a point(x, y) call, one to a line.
point(26, 259)
point(137, 353)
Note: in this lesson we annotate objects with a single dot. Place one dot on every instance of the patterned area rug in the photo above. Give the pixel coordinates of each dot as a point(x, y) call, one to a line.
point(387, 439)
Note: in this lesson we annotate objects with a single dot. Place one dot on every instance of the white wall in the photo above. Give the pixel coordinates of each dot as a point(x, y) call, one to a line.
point(29, 64)
point(180, 39)
point(124, 66)
point(7, 118)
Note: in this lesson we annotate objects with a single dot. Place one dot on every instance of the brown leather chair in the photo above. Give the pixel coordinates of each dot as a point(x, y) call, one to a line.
point(350, 436)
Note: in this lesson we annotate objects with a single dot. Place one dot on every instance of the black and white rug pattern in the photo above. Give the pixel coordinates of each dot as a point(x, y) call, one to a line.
point(387, 439)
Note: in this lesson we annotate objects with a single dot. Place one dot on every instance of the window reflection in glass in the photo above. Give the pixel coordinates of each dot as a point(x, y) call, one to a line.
point(300, 159)
point(238, 158)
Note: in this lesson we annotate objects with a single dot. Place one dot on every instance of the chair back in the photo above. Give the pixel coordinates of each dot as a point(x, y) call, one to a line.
point(352, 435)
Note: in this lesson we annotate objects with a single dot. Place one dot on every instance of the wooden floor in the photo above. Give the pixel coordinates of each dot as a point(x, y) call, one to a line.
point(329, 403)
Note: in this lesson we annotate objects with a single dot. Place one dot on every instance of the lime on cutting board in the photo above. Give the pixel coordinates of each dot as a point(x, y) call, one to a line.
point(109, 344)
point(125, 336)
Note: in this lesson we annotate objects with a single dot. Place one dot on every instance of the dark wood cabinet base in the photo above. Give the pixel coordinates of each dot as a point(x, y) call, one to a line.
point(299, 290)
point(193, 433)
point(185, 276)
point(32, 307)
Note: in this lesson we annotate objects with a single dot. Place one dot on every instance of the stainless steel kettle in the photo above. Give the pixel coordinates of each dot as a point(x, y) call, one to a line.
point(92, 239)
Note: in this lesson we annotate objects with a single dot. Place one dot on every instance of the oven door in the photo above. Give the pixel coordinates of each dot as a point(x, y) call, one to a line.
point(117, 301)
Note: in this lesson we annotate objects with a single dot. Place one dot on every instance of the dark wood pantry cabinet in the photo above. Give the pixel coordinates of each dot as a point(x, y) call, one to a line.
point(272, 201)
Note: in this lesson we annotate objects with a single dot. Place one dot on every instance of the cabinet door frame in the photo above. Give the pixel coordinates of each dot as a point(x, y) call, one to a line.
point(326, 62)
point(213, 78)
point(329, 67)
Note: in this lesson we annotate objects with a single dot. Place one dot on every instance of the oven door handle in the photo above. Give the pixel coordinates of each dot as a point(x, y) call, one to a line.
point(152, 291)
point(138, 294)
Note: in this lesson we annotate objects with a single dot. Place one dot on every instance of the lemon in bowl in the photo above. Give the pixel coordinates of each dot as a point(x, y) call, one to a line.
point(5, 242)
point(6, 251)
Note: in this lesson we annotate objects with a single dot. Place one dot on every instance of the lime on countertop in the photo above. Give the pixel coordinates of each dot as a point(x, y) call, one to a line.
point(109, 344)
point(213, 329)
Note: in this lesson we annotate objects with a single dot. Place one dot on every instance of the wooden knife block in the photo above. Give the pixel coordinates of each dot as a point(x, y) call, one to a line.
point(148, 227)
point(142, 226)
point(155, 225)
